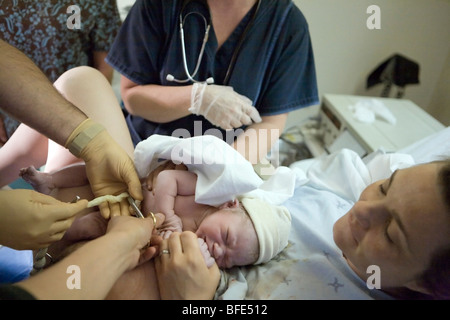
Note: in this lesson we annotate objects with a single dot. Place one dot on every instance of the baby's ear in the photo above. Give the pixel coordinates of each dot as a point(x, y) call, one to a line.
point(230, 204)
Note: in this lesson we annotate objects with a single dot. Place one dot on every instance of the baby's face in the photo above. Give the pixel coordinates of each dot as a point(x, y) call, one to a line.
point(230, 237)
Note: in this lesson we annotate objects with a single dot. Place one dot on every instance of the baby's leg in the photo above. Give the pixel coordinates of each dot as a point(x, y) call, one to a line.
point(45, 182)
point(40, 181)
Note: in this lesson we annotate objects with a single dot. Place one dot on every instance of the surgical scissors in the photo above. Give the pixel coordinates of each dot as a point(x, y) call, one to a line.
point(136, 209)
point(138, 212)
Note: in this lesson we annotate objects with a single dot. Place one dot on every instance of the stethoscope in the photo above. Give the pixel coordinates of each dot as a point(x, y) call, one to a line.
point(210, 80)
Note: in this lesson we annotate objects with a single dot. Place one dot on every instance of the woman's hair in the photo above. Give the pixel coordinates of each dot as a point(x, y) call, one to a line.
point(436, 279)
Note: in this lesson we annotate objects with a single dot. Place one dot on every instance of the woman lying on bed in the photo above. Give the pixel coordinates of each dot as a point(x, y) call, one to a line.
point(401, 224)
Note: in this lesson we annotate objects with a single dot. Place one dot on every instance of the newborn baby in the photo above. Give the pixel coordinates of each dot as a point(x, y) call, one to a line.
point(237, 233)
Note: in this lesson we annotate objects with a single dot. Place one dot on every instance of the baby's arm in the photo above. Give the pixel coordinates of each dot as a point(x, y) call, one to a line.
point(169, 185)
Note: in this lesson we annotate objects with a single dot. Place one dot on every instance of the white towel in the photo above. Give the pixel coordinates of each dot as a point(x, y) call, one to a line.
point(278, 188)
point(222, 173)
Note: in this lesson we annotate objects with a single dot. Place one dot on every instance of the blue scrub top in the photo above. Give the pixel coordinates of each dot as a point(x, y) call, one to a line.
point(274, 67)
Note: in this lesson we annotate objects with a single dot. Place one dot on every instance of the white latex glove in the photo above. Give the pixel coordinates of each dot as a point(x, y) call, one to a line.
point(222, 106)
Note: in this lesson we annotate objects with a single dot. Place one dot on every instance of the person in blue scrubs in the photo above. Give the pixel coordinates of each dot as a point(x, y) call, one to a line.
point(259, 50)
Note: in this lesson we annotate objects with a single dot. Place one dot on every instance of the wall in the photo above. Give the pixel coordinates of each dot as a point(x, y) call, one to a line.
point(346, 51)
point(440, 103)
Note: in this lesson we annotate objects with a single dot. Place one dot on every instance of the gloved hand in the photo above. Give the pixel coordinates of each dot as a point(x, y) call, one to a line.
point(222, 106)
point(108, 167)
point(32, 220)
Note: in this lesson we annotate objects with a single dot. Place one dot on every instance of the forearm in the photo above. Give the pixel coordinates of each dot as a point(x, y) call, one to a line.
point(157, 103)
point(165, 192)
point(28, 95)
point(165, 203)
point(96, 276)
point(258, 139)
point(173, 183)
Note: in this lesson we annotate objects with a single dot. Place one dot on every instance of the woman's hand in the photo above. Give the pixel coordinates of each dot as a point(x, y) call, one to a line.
point(138, 239)
point(222, 106)
point(181, 269)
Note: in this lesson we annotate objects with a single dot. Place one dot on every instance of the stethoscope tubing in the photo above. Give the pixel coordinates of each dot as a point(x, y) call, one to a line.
point(190, 77)
point(183, 49)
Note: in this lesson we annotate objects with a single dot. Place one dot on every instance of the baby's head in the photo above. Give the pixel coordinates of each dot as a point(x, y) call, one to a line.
point(272, 224)
point(245, 233)
point(230, 236)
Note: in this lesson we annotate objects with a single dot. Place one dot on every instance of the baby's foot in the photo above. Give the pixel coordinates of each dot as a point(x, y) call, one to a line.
point(40, 181)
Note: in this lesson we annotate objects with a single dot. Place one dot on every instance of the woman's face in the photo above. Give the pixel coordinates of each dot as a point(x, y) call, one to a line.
point(230, 237)
point(397, 224)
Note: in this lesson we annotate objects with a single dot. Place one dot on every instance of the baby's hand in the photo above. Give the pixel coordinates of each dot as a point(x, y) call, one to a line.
point(205, 252)
point(172, 224)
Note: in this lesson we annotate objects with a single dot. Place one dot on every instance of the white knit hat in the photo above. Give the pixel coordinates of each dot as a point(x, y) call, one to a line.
point(272, 225)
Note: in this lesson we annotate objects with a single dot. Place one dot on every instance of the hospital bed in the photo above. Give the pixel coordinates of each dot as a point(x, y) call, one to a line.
point(295, 273)
point(300, 272)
